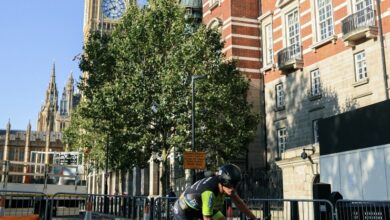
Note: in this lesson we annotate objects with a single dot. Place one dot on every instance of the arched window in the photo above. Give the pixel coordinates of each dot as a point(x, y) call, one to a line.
point(215, 23)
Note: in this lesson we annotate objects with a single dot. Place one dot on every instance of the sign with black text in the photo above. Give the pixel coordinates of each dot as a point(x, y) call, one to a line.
point(194, 160)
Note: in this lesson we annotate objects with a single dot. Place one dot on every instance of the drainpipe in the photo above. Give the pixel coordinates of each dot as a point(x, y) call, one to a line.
point(381, 40)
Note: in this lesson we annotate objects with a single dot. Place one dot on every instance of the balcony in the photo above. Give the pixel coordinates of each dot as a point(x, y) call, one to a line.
point(358, 26)
point(290, 58)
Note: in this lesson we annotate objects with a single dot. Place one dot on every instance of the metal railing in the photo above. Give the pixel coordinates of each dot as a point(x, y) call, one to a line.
point(23, 203)
point(361, 19)
point(77, 205)
point(289, 54)
point(294, 209)
point(14, 174)
point(353, 209)
point(73, 205)
point(163, 207)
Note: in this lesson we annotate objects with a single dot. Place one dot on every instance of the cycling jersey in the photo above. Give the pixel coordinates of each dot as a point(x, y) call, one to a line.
point(203, 198)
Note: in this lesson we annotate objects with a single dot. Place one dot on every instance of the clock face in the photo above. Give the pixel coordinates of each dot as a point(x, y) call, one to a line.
point(114, 9)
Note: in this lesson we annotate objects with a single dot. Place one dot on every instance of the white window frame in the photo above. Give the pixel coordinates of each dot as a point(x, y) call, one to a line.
point(293, 35)
point(282, 140)
point(360, 66)
point(315, 79)
point(315, 131)
point(213, 3)
point(359, 5)
point(268, 44)
point(325, 24)
point(362, 7)
point(280, 98)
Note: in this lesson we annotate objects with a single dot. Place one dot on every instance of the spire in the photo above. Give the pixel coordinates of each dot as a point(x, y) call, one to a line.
point(29, 125)
point(50, 107)
point(70, 82)
point(9, 125)
point(53, 70)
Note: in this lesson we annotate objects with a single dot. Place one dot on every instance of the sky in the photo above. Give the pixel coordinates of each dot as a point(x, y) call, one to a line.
point(34, 35)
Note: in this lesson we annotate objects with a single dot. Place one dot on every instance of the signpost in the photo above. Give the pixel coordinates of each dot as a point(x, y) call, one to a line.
point(194, 160)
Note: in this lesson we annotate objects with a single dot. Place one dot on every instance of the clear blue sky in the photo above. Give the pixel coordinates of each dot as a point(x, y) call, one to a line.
point(33, 35)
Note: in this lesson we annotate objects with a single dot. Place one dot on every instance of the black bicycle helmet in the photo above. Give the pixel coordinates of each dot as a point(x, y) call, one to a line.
point(229, 175)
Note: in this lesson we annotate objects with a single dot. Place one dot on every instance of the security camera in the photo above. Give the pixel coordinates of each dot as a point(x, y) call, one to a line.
point(304, 155)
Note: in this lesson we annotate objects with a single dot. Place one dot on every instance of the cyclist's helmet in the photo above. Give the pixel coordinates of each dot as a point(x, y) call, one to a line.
point(229, 175)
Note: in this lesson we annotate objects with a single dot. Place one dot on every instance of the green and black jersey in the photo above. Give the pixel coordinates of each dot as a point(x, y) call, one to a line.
point(204, 195)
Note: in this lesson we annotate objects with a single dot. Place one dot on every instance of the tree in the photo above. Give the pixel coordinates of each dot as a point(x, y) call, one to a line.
point(138, 90)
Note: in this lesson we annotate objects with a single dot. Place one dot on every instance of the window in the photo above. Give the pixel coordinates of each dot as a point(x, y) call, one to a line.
point(325, 19)
point(315, 83)
point(315, 131)
point(279, 95)
point(11, 154)
point(360, 66)
point(363, 4)
point(293, 36)
point(21, 155)
point(282, 138)
point(365, 13)
point(268, 45)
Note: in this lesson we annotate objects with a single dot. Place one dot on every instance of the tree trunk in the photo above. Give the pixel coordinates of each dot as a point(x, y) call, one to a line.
point(164, 172)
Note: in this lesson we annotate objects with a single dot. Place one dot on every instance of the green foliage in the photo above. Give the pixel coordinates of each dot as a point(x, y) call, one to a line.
point(138, 91)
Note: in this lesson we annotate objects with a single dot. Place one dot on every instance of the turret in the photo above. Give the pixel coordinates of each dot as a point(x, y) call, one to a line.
point(50, 107)
point(7, 139)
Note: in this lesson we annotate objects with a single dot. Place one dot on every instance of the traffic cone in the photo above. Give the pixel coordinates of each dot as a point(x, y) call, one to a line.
point(229, 213)
point(88, 211)
point(146, 212)
point(2, 206)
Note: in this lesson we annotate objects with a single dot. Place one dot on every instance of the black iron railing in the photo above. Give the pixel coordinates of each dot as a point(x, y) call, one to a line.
point(289, 54)
point(361, 19)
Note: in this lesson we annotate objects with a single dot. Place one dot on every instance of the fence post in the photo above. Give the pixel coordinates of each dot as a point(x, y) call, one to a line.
point(133, 208)
point(151, 208)
point(266, 210)
point(294, 212)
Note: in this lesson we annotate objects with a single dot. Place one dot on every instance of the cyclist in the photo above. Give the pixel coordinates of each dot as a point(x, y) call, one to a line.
point(204, 198)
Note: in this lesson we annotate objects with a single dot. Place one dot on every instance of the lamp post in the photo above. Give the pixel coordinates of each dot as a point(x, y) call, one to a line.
point(193, 78)
point(106, 177)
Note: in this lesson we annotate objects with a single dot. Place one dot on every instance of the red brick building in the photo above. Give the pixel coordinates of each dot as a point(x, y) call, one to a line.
point(318, 58)
point(239, 27)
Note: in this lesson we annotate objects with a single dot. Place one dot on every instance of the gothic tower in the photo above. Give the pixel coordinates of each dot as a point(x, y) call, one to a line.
point(103, 13)
point(68, 102)
point(46, 117)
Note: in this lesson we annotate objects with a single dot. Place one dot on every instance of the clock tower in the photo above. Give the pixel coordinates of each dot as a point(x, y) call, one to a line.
point(103, 13)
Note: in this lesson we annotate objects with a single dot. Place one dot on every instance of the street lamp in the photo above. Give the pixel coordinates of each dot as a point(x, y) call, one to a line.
point(193, 78)
point(106, 175)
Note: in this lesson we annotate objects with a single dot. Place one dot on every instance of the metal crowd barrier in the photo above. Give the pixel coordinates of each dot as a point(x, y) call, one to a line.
point(34, 205)
point(362, 210)
point(292, 209)
point(23, 204)
point(74, 205)
point(163, 208)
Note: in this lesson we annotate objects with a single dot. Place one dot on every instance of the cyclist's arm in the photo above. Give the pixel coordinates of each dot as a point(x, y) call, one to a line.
point(208, 202)
point(242, 206)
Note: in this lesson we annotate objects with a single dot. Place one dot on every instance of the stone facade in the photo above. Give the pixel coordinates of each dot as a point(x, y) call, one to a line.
point(16, 145)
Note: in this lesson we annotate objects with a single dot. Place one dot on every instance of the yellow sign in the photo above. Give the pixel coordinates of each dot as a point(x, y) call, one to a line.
point(194, 160)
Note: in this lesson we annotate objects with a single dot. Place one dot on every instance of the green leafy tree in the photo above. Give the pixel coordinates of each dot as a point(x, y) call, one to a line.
point(138, 90)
